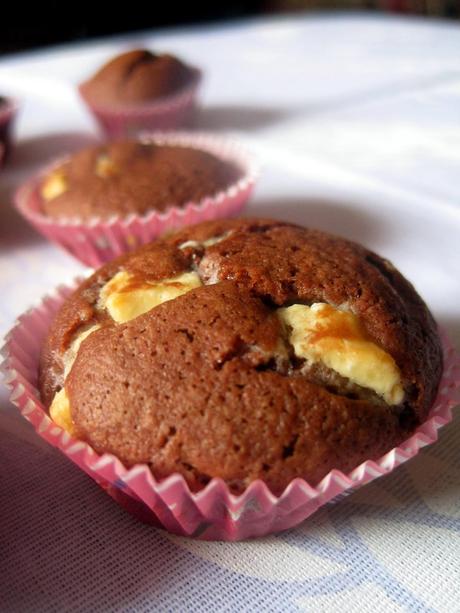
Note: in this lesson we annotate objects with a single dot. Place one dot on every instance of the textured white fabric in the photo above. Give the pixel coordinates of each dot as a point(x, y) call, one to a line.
point(357, 123)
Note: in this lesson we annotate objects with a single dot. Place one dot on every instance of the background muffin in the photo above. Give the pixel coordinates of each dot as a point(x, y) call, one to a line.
point(136, 77)
point(161, 167)
point(132, 177)
point(8, 110)
point(140, 90)
point(243, 349)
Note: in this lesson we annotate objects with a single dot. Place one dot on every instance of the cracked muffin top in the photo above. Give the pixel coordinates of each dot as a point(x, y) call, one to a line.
point(132, 176)
point(136, 77)
point(243, 349)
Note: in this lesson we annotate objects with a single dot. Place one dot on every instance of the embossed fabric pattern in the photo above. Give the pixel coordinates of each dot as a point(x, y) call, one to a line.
point(376, 551)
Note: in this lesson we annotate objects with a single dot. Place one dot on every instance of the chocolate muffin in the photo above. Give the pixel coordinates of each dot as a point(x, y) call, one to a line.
point(243, 349)
point(132, 177)
point(136, 77)
point(8, 109)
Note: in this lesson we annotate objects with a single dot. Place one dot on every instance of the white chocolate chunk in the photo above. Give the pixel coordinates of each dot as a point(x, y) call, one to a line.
point(60, 411)
point(192, 244)
point(71, 353)
point(209, 242)
point(105, 167)
point(321, 333)
point(124, 299)
point(54, 185)
point(60, 407)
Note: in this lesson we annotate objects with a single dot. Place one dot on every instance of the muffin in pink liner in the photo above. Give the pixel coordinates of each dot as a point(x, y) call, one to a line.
point(181, 359)
point(8, 110)
point(95, 241)
point(140, 90)
point(214, 513)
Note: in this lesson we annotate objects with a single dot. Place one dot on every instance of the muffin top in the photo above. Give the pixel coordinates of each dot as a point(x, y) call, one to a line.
point(136, 77)
point(243, 349)
point(132, 177)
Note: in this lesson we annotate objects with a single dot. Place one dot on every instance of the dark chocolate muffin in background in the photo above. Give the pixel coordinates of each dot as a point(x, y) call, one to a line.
point(140, 90)
point(243, 349)
point(8, 110)
point(136, 77)
point(132, 177)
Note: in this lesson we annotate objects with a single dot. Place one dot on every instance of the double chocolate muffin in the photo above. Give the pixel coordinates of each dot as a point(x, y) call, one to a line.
point(135, 78)
point(243, 349)
point(8, 109)
point(132, 176)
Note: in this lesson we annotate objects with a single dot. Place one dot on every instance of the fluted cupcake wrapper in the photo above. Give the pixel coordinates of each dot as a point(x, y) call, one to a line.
point(213, 513)
point(7, 115)
point(97, 241)
point(168, 113)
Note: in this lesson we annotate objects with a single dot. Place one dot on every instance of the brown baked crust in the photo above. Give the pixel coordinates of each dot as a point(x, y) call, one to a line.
point(143, 177)
point(191, 386)
point(136, 77)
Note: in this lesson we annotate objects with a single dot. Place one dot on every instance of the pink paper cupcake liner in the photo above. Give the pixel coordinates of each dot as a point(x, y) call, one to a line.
point(8, 112)
point(214, 513)
point(168, 113)
point(97, 241)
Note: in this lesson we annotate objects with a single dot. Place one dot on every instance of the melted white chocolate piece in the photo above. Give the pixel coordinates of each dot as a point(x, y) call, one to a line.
point(71, 353)
point(60, 411)
point(126, 299)
point(321, 333)
point(54, 185)
point(60, 407)
point(209, 242)
point(105, 167)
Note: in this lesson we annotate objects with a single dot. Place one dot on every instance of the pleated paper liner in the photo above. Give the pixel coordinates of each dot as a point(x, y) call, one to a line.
point(97, 241)
point(168, 113)
point(213, 513)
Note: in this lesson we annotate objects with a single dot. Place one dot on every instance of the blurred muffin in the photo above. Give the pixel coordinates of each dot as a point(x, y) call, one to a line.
point(136, 77)
point(244, 350)
point(8, 110)
point(128, 177)
point(141, 90)
point(109, 199)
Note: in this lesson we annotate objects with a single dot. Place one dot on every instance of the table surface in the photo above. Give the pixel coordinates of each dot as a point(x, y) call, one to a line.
point(356, 120)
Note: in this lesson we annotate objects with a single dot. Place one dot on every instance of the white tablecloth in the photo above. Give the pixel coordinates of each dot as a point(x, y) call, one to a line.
point(357, 123)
